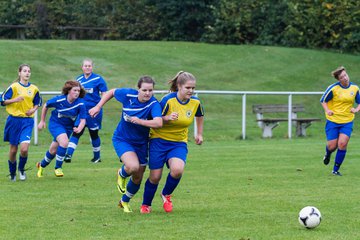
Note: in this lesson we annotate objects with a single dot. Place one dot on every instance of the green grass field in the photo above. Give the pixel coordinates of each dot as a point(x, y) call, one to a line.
point(232, 189)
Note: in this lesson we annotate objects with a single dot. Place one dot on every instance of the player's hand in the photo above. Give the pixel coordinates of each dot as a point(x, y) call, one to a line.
point(329, 112)
point(199, 139)
point(41, 125)
point(354, 110)
point(173, 116)
point(93, 112)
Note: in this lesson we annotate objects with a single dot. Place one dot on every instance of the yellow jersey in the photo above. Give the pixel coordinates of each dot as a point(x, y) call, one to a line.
point(31, 96)
point(177, 130)
point(340, 100)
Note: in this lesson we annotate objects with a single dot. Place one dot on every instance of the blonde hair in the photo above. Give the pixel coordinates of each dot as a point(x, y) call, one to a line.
point(180, 79)
point(336, 73)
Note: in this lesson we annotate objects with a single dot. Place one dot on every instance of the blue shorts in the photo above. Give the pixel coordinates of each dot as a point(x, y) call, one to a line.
point(56, 129)
point(18, 130)
point(160, 151)
point(122, 147)
point(91, 123)
point(333, 130)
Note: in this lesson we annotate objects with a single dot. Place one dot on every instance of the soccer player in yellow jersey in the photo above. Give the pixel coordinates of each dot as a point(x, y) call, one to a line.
point(338, 103)
point(169, 143)
point(21, 99)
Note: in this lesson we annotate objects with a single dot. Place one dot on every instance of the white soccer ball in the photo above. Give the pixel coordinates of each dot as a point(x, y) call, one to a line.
point(309, 217)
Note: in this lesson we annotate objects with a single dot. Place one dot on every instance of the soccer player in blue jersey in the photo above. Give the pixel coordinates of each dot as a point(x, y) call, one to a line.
point(94, 86)
point(141, 111)
point(338, 103)
point(21, 99)
point(168, 145)
point(67, 108)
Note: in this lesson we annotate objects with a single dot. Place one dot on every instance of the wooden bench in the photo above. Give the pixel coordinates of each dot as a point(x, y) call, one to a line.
point(268, 124)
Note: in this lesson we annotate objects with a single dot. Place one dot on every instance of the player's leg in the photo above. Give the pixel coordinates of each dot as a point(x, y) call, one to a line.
point(63, 141)
point(96, 145)
point(73, 142)
point(12, 162)
point(344, 137)
point(25, 138)
point(150, 188)
point(332, 134)
point(49, 156)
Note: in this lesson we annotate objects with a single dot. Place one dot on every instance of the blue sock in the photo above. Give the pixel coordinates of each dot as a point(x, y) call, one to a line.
point(60, 154)
point(72, 145)
point(96, 147)
point(47, 159)
point(328, 152)
point(170, 185)
point(123, 173)
point(22, 163)
point(131, 190)
point(149, 192)
point(12, 167)
point(339, 158)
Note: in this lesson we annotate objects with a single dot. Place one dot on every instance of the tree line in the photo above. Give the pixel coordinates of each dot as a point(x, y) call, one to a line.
point(320, 24)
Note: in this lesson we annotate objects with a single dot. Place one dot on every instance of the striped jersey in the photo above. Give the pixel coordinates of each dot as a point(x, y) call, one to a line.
point(93, 86)
point(130, 132)
point(65, 113)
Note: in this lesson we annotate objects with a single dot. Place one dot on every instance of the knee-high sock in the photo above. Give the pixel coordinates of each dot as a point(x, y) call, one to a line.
point(60, 154)
point(22, 163)
point(149, 192)
point(339, 158)
point(123, 173)
point(170, 185)
point(328, 152)
point(47, 159)
point(12, 167)
point(96, 147)
point(131, 190)
point(72, 145)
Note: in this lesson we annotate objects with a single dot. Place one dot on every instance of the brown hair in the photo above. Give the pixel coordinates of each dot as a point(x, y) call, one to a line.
point(70, 84)
point(20, 69)
point(145, 79)
point(180, 79)
point(336, 73)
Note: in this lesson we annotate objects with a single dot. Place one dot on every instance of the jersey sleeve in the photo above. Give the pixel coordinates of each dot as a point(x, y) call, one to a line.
point(103, 86)
point(82, 112)
point(156, 110)
point(199, 111)
point(357, 97)
point(37, 99)
point(120, 94)
point(6, 95)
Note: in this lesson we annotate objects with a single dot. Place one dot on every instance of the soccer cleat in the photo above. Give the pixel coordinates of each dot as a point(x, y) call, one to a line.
point(22, 175)
point(145, 209)
point(67, 158)
point(40, 170)
point(125, 206)
point(121, 183)
point(59, 172)
point(12, 177)
point(326, 159)
point(95, 160)
point(336, 173)
point(168, 206)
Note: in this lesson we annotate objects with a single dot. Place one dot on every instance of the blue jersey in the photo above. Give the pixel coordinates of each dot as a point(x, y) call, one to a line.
point(65, 113)
point(93, 86)
point(130, 132)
